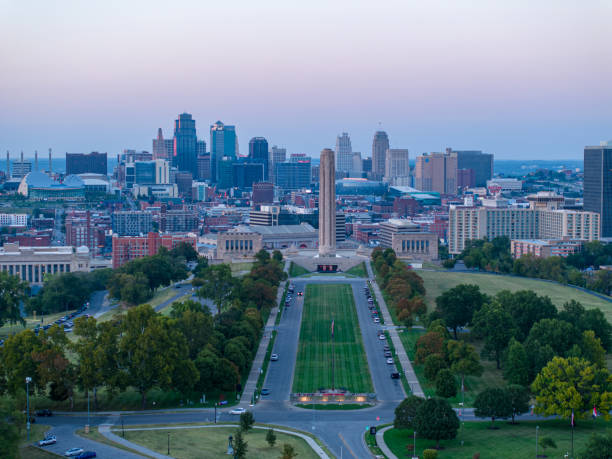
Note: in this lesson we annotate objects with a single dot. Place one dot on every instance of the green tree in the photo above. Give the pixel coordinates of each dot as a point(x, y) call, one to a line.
point(62, 292)
point(519, 399)
point(526, 308)
point(240, 445)
point(271, 437)
point(106, 356)
point(262, 257)
point(547, 442)
point(558, 334)
point(288, 452)
point(428, 344)
point(87, 372)
point(592, 350)
point(13, 292)
point(246, 421)
point(446, 384)
point(599, 446)
point(496, 326)
point(197, 329)
point(217, 284)
point(18, 360)
point(516, 365)
point(436, 420)
point(493, 403)
point(572, 384)
point(463, 359)
point(277, 256)
point(184, 250)
point(131, 289)
point(434, 363)
point(458, 305)
point(406, 411)
point(10, 418)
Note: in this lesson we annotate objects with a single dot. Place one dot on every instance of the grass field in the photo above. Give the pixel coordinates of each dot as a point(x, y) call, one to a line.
point(238, 268)
point(359, 270)
point(296, 270)
point(491, 376)
point(313, 368)
point(31, 322)
point(438, 282)
point(508, 442)
point(211, 442)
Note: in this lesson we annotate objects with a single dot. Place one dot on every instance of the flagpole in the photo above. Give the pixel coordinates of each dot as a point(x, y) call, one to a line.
point(573, 422)
point(332, 351)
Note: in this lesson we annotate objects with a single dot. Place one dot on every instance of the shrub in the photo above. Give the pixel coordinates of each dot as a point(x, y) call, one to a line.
point(430, 454)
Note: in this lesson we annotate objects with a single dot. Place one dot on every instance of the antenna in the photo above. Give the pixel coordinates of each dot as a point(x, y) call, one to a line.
point(36, 160)
point(50, 167)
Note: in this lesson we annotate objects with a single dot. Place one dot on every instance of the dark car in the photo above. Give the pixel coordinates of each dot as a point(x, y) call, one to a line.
point(44, 413)
point(86, 455)
point(386, 348)
point(265, 392)
point(388, 354)
point(395, 375)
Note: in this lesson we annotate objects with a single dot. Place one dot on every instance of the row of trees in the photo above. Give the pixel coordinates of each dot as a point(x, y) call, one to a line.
point(494, 256)
point(404, 288)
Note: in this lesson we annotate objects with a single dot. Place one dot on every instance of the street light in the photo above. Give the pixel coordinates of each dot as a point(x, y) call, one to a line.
point(28, 381)
point(537, 429)
point(414, 444)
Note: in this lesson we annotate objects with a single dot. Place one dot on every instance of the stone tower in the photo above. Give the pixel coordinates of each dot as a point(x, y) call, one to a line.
point(327, 204)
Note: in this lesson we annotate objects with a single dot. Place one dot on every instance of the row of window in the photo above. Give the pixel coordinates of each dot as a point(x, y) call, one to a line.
point(239, 245)
point(35, 273)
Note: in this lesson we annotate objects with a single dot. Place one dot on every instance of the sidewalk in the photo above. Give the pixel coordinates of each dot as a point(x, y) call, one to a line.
point(249, 388)
point(413, 381)
point(104, 429)
point(380, 441)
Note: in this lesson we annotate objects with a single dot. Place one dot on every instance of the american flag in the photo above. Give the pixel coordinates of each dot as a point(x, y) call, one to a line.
point(332, 328)
point(594, 411)
point(573, 423)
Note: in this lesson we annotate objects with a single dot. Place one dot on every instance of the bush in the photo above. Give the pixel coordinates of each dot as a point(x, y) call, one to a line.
point(446, 384)
point(246, 421)
point(450, 263)
point(430, 454)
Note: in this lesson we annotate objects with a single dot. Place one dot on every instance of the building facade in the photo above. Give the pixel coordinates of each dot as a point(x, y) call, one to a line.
point(185, 144)
point(223, 144)
point(436, 172)
point(344, 153)
point(81, 163)
point(127, 248)
point(163, 148)
point(259, 154)
point(132, 222)
point(408, 240)
point(544, 248)
point(477, 161)
point(598, 184)
point(238, 244)
point(396, 164)
point(294, 174)
point(380, 145)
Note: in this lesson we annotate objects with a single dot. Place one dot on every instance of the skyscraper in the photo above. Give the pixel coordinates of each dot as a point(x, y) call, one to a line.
point(436, 172)
point(380, 145)
point(344, 153)
point(81, 163)
point(163, 148)
point(223, 143)
point(598, 184)
point(481, 163)
point(185, 144)
point(258, 153)
point(278, 155)
point(396, 164)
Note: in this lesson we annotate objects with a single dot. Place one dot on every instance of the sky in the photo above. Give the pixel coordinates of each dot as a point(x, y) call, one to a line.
point(520, 79)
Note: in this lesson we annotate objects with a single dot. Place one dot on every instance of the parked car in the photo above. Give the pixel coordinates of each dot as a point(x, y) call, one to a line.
point(44, 413)
point(265, 392)
point(395, 375)
point(389, 361)
point(300, 293)
point(381, 337)
point(49, 440)
point(388, 354)
point(274, 357)
point(86, 455)
point(386, 348)
point(238, 411)
point(376, 320)
point(73, 452)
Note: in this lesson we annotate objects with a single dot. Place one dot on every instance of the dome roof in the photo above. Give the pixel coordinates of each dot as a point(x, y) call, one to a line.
point(73, 181)
point(38, 179)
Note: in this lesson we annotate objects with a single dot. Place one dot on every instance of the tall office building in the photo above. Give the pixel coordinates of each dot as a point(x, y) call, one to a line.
point(481, 163)
point(185, 144)
point(357, 167)
point(277, 155)
point(294, 174)
point(259, 154)
point(396, 164)
point(436, 172)
point(598, 184)
point(81, 163)
point(380, 145)
point(163, 148)
point(223, 144)
point(204, 167)
point(344, 153)
point(201, 147)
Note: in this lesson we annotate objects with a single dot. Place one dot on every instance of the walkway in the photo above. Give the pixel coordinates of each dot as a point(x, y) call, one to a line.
point(380, 442)
point(413, 381)
point(104, 429)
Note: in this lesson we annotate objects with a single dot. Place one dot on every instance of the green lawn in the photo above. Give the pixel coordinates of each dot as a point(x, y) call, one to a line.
point(313, 368)
point(31, 322)
point(508, 442)
point(238, 268)
point(211, 442)
point(359, 270)
point(491, 376)
point(296, 270)
point(438, 282)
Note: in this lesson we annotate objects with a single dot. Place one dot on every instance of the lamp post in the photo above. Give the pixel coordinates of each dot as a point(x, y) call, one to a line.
point(537, 429)
point(87, 426)
point(414, 444)
point(28, 381)
point(168, 443)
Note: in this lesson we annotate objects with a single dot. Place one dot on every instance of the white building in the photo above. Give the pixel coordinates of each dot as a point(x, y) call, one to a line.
point(344, 153)
point(13, 219)
point(506, 184)
point(396, 164)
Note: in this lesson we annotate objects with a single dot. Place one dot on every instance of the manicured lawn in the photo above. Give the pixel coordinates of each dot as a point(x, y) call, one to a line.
point(491, 376)
point(508, 442)
point(313, 368)
point(238, 268)
point(359, 270)
point(297, 270)
point(31, 322)
point(438, 282)
point(211, 442)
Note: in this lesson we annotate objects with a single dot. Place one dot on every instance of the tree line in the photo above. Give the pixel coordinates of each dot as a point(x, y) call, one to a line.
point(494, 256)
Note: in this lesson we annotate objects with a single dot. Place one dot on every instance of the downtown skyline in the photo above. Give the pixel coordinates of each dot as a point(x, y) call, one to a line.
point(432, 75)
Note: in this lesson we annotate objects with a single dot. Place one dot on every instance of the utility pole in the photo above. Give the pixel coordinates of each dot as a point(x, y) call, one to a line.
point(28, 381)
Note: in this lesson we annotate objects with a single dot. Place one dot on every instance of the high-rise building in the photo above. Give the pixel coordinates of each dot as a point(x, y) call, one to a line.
point(263, 193)
point(357, 167)
point(396, 164)
point(185, 144)
point(81, 163)
point(163, 148)
point(184, 181)
point(277, 155)
point(245, 174)
point(294, 174)
point(380, 145)
point(204, 167)
point(132, 222)
point(598, 184)
point(223, 143)
point(344, 153)
point(258, 153)
point(436, 172)
point(481, 163)
point(201, 147)
point(366, 165)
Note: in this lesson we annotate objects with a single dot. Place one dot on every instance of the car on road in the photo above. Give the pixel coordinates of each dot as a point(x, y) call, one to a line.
point(381, 337)
point(389, 361)
point(238, 411)
point(388, 354)
point(376, 320)
point(274, 357)
point(395, 375)
point(86, 455)
point(265, 392)
point(386, 348)
point(73, 452)
point(44, 413)
point(49, 440)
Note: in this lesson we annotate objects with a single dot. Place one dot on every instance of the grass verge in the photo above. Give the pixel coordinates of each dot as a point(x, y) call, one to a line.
point(359, 270)
point(296, 270)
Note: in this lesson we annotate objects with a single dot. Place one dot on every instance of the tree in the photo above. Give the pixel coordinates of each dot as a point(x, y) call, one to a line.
point(87, 372)
point(458, 305)
point(277, 256)
point(288, 452)
point(599, 446)
point(519, 399)
point(240, 445)
point(572, 385)
point(463, 359)
point(538, 355)
point(446, 385)
point(18, 361)
point(436, 420)
point(406, 411)
point(592, 319)
point(592, 350)
point(428, 344)
point(246, 421)
point(516, 365)
point(185, 251)
point(217, 284)
point(13, 292)
point(10, 419)
point(493, 403)
point(559, 334)
point(434, 363)
point(526, 308)
point(262, 257)
point(496, 326)
point(271, 437)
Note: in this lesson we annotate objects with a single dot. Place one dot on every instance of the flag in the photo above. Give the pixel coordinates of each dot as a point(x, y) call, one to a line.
point(594, 411)
point(332, 328)
point(573, 424)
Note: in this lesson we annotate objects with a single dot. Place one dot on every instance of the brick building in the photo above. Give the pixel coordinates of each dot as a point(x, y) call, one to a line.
point(128, 248)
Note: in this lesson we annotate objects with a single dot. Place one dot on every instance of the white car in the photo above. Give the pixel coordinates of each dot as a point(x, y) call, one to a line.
point(73, 452)
point(274, 357)
point(390, 361)
point(381, 337)
point(50, 440)
point(376, 320)
point(238, 411)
